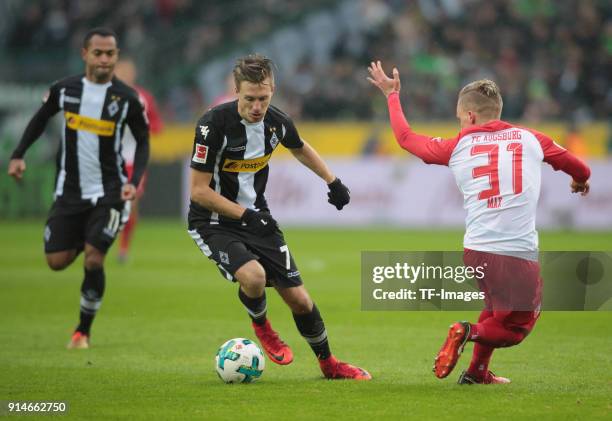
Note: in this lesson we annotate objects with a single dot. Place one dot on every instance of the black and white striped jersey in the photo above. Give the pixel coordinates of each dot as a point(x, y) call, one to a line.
point(237, 152)
point(89, 162)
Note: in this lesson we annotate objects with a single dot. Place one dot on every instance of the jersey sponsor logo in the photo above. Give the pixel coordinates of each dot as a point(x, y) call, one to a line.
point(71, 99)
point(236, 148)
point(100, 127)
point(204, 130)
point(201, 153)
point(246, 165)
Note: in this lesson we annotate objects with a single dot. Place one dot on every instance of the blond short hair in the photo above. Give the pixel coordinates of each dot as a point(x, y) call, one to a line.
point(254, 68)
point(483, 97)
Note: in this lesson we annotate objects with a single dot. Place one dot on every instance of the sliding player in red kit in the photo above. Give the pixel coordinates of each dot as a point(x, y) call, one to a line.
point(497, 167)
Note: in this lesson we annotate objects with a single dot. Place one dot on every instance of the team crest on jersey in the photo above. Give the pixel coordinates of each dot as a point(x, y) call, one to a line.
point(274, 140)
point(224, 257)
point(201, 152)
point(113, 107)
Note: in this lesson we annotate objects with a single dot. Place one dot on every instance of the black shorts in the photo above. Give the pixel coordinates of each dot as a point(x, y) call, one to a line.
point(70, 226)
point(231, 246)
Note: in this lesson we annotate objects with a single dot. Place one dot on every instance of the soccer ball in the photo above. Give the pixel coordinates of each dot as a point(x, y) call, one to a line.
point(239, 360)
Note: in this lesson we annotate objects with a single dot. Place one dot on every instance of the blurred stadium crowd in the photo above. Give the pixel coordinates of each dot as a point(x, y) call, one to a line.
point(552, 59)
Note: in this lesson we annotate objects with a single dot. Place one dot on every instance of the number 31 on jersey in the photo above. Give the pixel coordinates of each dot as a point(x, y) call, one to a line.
point(491, 170)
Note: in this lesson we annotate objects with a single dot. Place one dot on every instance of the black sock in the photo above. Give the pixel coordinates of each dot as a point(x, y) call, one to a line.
point(92, 291)
point(256, 307)
point(312, 328)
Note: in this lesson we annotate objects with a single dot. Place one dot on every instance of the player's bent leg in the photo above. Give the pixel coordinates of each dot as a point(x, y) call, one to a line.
point(297, 299)
point(498, 331)
point(60, 260)
point(252, 278)
point(252, 293)
point(92, 291)
point(451, 350)
point(310, 325)
point(481, 355)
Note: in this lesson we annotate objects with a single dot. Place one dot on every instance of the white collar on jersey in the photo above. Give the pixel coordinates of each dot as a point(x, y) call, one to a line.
point(246, 123)
point(97, 85)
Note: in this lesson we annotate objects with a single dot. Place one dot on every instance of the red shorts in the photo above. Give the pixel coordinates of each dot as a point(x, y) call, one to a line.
point(512, 287)
point(129, 168)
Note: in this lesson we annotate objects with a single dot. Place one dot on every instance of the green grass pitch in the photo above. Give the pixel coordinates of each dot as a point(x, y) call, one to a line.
point(167, 310)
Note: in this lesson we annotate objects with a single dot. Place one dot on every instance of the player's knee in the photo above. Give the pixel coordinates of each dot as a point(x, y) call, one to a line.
point(60, 261)
point(301, 306)
point(94, 261)
point(57, 264)
point(251, 275)
point(298, 300)
point(93, 264)
point(513, 337)
point(94, 258)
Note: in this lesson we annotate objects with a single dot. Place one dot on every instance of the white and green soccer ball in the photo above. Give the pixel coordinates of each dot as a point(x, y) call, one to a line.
point(239, 360)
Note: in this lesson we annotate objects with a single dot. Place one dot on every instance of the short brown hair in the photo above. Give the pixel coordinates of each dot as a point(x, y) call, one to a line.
point(483, 97)
point(254, 68)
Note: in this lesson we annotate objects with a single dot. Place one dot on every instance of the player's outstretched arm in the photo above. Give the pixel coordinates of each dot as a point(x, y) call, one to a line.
point(379, 78)
point(339, 194)
point(32, 132)
point(430, 150)
point(562, 159)
point(311, 159)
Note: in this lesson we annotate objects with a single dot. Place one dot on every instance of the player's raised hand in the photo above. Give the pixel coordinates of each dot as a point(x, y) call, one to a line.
point(582, 188)
point(128, 192)
point(379, 78)
point(16, 168)
point(339, 195)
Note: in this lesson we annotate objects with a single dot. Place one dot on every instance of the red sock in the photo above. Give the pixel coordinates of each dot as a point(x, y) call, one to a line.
point(491, 332)
point(481, 356)
point(126, 234)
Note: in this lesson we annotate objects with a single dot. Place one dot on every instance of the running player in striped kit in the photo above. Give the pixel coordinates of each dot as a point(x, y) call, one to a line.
point(229, 218)
point(497, 167)
point(92, 189)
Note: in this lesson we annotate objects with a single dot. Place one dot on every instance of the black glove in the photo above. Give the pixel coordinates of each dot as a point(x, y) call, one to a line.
point(260, 223)
point(339, 195)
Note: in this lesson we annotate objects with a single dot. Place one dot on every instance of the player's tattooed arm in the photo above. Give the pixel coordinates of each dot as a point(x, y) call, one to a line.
point(203, 195)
